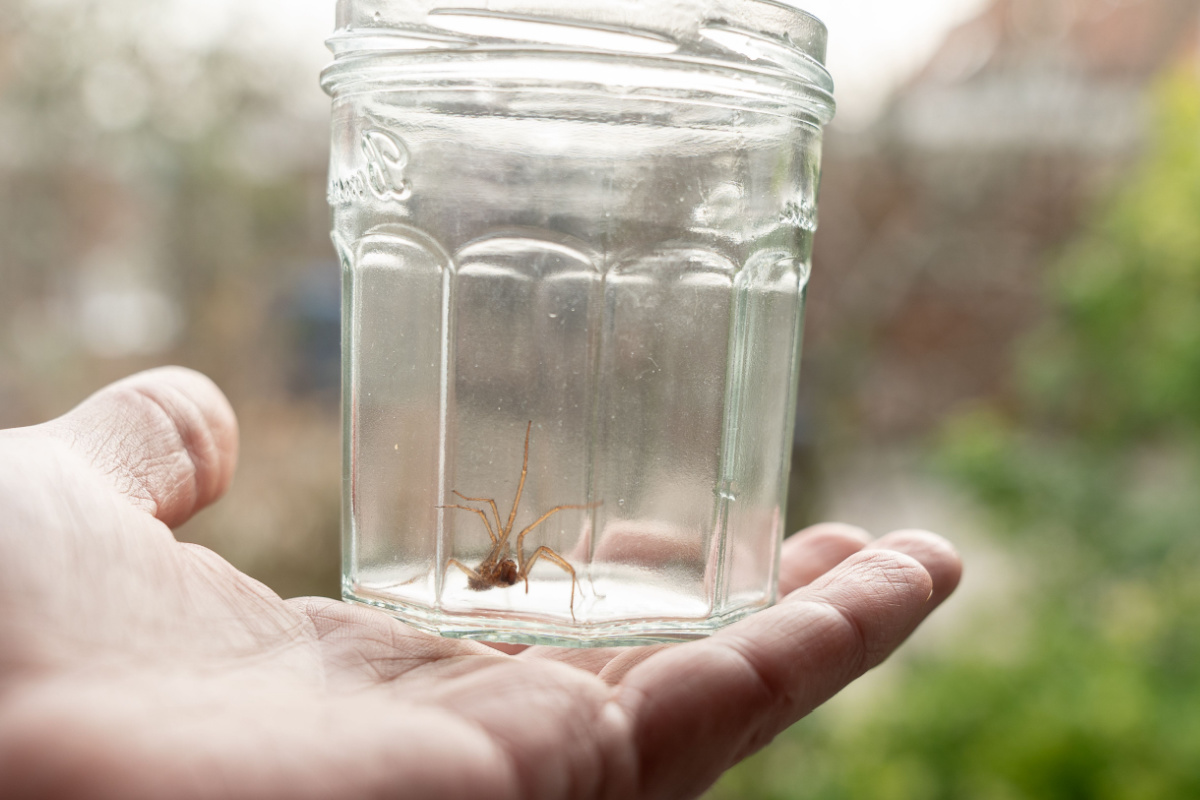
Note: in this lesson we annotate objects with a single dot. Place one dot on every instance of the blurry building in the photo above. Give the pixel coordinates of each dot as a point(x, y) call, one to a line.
point(937, 224)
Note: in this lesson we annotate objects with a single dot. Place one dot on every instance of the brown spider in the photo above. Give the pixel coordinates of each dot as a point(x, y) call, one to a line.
point(499, 568)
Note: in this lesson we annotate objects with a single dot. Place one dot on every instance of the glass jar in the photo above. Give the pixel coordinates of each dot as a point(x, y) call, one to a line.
point(574, 238)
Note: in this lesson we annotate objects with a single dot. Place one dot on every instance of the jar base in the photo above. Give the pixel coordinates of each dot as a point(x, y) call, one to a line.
point(512, 629)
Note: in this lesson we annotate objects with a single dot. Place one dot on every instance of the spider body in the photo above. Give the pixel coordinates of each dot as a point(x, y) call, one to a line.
point(500, 568)
point(494, 573)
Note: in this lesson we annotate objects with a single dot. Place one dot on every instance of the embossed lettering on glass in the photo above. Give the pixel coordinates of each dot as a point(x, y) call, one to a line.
point(575, 239)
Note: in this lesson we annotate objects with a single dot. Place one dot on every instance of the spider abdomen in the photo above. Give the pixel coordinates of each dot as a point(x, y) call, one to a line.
point(500, 573)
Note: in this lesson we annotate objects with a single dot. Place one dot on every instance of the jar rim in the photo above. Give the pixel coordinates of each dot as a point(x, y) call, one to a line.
point(762, 37)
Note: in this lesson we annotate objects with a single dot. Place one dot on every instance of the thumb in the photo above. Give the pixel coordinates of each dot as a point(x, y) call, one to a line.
point(167, 439)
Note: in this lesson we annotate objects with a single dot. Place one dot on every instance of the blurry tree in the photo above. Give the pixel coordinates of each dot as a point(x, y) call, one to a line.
point(1093, 473)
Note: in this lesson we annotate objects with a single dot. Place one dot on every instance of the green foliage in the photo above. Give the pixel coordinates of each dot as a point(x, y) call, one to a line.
point(1090, 688)
point(1122, 358)
point(1103, 448)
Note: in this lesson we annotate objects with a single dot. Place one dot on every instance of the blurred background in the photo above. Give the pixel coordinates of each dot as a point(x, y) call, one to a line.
point(1003, 343)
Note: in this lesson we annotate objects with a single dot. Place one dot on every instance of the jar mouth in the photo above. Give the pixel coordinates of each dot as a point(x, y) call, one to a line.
point(759, 37)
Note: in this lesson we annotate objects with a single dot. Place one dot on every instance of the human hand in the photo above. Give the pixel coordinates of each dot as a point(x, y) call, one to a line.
point(132, 665)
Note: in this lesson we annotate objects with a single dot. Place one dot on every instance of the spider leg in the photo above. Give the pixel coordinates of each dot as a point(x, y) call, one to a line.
point(470, 572)
point(512, 515)
point(543, 518)
point(482, 516)
point(487, 500)
point(550, 555)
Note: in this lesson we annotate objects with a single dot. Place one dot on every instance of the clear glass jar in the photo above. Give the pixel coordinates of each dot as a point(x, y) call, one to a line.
point(575, 237)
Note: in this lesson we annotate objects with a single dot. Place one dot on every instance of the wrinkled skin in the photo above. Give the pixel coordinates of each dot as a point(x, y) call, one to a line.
point(132, 665)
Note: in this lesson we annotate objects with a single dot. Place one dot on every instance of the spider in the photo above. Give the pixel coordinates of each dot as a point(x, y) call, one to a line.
point(499, 568)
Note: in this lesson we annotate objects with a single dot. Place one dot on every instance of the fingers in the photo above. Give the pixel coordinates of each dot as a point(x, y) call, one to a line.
point(811, 553)
point(167, 439)
point(699, 708)
point(936, 554)
point(816, 550)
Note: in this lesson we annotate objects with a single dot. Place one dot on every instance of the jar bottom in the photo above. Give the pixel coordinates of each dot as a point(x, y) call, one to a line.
point(506, 627)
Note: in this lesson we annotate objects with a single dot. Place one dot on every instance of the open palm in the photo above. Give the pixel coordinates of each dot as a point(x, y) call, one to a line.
point(132, 665)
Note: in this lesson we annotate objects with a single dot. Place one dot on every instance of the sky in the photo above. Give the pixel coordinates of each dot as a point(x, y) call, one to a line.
point(874, 45)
